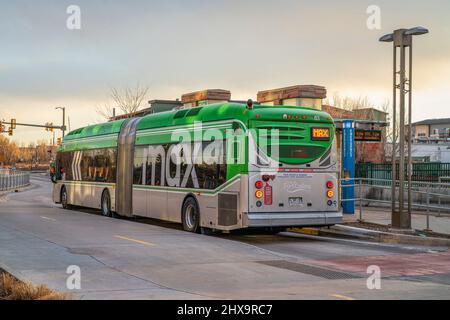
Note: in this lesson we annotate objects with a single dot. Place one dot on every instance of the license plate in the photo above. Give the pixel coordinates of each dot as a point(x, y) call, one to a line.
point(295, 201)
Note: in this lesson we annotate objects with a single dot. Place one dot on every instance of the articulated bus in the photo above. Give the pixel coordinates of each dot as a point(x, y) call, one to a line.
point(219, 167)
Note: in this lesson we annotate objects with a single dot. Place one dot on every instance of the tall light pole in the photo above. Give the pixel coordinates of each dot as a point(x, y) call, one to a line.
point(63, 119)
point(402, 40)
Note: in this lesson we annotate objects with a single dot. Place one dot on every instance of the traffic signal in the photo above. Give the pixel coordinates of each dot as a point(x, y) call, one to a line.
point(13, 123)
point(10, 131)
point(49, 126)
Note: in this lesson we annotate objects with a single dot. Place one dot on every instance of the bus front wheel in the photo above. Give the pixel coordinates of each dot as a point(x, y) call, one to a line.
point(106, 204)
point(191, 216)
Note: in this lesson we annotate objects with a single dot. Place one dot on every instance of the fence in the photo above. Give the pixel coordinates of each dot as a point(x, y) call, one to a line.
point(12, 179)
point(428, 198)
point(425, 172)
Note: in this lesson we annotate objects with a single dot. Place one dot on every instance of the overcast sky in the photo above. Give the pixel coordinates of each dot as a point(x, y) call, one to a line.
point(176, 47)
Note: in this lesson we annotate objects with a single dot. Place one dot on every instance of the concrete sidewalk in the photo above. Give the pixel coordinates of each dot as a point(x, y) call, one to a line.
point(383, 216)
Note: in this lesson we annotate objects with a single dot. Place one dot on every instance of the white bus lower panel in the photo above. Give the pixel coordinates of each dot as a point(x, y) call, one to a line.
point(294, 219)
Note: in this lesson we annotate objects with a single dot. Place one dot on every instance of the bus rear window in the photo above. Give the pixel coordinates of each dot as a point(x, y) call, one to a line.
point(292, 153)
point(297, 142)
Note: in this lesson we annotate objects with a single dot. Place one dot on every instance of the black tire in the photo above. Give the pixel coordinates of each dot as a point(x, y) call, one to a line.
point(105, 204)
point(208, 231)
point(64, 199)
point(191, 216)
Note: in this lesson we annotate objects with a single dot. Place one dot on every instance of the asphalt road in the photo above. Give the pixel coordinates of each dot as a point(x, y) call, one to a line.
point(145, 259)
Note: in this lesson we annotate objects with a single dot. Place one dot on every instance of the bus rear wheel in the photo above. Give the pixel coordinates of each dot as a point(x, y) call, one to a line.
point(64, 199)
point(191, 216)
point(106, 204)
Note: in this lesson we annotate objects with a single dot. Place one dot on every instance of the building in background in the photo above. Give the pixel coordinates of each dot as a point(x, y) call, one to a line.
point(300, 95)
point(205, 97)
point(431, 152)
point(431, 131)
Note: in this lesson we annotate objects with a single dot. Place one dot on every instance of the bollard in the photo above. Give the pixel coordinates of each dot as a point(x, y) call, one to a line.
point(428, 211)
point(360, 200)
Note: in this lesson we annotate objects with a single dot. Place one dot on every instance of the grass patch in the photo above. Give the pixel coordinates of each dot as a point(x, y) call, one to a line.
point(14, 289)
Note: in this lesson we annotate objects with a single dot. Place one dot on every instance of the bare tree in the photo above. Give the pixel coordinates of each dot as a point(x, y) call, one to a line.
point(349, 103)
point(106, 112)
point(9, 150)
point(390, 132)
point(127, 101)
point(363, 102)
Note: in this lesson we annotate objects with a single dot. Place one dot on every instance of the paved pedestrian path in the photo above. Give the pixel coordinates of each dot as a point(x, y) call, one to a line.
point(419, 221)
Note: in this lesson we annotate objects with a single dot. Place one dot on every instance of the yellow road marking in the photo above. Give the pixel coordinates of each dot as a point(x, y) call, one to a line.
point(134, 240)
point(47, 218)
point(340, 296)
point(310, 231)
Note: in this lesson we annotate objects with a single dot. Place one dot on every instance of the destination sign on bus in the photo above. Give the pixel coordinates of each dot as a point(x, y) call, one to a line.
point(320, 133)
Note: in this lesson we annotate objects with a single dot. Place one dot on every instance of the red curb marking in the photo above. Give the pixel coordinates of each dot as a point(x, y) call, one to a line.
point(393, 265)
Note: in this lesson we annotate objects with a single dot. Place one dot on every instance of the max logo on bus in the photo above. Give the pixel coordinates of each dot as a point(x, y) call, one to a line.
point(190, 160)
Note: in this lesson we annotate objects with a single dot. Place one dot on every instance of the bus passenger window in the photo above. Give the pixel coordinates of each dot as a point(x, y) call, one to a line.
point(101, 168)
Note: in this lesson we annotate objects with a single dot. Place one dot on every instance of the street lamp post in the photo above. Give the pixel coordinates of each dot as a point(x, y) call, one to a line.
point(63, 119)
point(402, 40)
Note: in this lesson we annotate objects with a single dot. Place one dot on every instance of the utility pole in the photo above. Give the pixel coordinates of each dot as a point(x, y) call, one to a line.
point(63, 128)
point(402, 40)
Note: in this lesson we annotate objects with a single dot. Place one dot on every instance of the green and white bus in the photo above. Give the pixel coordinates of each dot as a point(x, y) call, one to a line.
point(221, 166)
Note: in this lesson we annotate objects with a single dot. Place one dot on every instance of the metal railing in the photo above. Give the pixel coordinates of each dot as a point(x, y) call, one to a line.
point(434, 196)
point(12, 179)
point(421, 171)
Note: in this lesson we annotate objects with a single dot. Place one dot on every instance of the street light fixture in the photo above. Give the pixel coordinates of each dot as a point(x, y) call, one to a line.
point(416, 31)
point(387, 38)
point(402, 39)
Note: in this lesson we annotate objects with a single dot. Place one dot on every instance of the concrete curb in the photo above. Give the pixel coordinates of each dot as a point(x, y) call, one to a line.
point(384, 237)
point(16, 190)
point(348, 232)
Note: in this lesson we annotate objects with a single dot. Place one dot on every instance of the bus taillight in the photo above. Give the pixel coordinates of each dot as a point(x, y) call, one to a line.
point(259, 194)
point(330, 184)
point(258, 184)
